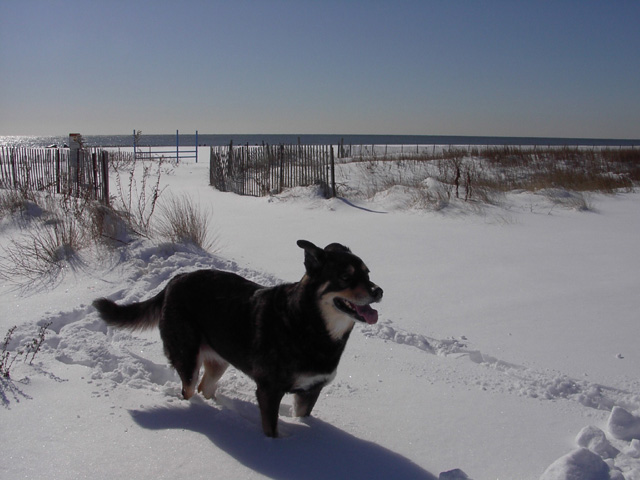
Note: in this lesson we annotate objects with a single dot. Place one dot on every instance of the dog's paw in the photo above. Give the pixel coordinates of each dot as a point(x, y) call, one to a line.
point(208, 391)
point(187, 393)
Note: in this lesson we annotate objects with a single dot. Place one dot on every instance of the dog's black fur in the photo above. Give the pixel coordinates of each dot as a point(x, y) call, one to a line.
point(288, 338)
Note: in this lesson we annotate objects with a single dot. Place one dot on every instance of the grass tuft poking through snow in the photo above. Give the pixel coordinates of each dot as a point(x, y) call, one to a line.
point(181, 220)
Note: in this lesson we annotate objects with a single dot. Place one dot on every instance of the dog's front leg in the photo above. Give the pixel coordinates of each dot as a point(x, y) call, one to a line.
point(269, 402)
point(303, 402)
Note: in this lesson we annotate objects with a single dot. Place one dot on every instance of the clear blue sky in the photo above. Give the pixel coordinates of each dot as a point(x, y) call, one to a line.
point(513, 68)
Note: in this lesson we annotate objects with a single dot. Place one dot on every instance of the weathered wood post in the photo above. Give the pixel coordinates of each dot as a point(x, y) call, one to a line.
point(57, 173)
point(105, 177)
point(177, 146)
point(333, 174)
point(75, 147)
point(211, 180)
point(14, 167)
point(230, 169)
point(281, 159)
point(94, 167)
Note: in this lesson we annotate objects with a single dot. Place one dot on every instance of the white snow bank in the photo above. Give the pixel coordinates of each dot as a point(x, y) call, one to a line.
point(581, 464)
point(594, 439)
point(502, 336)
point(598, 458)
point(623, 425)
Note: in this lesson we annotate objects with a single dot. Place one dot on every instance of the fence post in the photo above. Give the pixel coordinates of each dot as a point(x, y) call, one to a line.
point(105, 177)
point(14, 167)
point(333, 174)
point(211, 182)
point(77, 172)
point(57, 170)
point(94, 166)
point(231, 170)
point(281, 155)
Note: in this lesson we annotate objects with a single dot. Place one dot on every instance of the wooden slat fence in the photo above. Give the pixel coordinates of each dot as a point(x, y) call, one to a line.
point(268, 169)
point(53, 170)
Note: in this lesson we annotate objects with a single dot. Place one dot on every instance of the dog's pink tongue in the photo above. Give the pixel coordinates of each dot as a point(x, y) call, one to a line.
point(369, 314)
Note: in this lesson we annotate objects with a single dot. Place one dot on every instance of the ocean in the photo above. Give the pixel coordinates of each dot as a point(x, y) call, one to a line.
point(187, 140)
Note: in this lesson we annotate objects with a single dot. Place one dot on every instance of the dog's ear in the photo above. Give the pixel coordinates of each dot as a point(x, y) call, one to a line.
point(337, 247)
point(313, 256)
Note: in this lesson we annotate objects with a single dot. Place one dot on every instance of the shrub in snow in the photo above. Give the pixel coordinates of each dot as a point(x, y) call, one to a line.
point(184, 221)
point(27, 352)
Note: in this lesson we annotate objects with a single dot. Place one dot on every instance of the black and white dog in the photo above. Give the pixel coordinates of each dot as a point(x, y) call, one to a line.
point(287, 338)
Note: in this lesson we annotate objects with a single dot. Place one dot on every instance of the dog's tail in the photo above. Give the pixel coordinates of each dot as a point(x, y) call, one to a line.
point(135, 316)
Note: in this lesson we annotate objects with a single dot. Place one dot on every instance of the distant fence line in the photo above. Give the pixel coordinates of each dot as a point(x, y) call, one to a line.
point(427, 151)
point(259, 170)
point(55, 170)
point(266, 169)
point(178, 153)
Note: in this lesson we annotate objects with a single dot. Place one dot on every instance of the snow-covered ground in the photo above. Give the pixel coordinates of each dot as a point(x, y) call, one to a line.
point(508, 344)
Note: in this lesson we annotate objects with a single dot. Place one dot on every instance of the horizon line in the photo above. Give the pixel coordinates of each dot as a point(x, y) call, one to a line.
point(335, 135)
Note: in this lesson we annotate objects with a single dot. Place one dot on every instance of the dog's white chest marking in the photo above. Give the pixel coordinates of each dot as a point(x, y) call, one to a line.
point(305, 381)
point(336, 321)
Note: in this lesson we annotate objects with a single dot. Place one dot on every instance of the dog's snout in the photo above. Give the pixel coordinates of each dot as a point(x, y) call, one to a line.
point(376, 293)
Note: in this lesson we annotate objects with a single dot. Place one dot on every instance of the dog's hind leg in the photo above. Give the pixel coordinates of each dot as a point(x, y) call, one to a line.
point(303, 402)
point(269, 402)
point(182, 347)
point(214, 367)
point(189, 384)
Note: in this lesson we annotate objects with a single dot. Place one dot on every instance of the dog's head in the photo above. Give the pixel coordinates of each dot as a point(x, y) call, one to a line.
point(344, 291)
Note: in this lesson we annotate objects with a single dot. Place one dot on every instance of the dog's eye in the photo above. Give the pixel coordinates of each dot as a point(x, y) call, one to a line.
point(345, 277)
